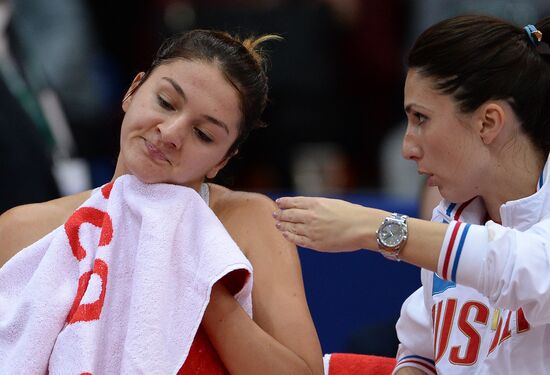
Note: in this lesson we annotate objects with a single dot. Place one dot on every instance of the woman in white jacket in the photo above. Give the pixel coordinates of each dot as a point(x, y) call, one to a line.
point(477, 100)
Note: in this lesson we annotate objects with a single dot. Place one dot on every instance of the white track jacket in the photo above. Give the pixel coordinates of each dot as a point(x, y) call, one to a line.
point(487, 309)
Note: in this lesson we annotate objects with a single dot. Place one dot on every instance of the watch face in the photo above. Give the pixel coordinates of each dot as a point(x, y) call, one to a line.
point(392, 234)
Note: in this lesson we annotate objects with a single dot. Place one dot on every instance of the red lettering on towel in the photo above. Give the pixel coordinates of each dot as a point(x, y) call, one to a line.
point(89, 311)
point(101, 219)
point(106, 190)
point(92, 216)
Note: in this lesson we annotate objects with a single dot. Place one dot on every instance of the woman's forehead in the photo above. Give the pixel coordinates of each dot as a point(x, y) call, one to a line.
point(421, 89)
point(418, 88)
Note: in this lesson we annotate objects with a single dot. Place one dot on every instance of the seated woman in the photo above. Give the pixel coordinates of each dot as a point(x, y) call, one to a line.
point(483, 140)
point(184, 119)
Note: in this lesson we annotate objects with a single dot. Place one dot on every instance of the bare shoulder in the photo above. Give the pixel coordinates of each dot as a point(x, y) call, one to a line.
point(226, 201)
point(26, 224)
point(246, 216)
point(277, 272)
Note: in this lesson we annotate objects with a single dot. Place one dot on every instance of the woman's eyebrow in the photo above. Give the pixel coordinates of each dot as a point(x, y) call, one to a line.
point(211, 119)
point(176, 86)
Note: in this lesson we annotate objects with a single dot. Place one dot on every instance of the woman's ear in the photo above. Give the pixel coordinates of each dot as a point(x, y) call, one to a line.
point(214, 171)
point(128, 96)
point(493, 118)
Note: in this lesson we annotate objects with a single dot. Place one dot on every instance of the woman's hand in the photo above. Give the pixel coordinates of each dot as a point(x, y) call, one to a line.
point(329, 225)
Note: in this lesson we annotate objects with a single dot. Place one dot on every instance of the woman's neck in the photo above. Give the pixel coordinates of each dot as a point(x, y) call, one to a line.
point(515, 176)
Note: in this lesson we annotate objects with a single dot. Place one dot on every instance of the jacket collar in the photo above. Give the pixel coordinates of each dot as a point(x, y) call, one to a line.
point(521, 213)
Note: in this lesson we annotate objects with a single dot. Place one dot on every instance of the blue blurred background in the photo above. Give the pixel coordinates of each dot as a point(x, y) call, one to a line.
point(355, 298)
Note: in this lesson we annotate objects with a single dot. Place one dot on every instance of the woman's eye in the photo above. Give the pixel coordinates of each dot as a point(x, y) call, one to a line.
point(203, 136)
point(419, 117)
point(164, 103)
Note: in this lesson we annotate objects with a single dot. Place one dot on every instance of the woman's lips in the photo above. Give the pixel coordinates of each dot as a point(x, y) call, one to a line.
point(430, 179)
point(155, 153)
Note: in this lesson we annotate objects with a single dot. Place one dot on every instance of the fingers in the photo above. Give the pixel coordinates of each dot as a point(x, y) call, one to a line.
point(294, 228)
point(294, 209)
point(292, 219)
point(297, 239)
point(297, 233)
point(294, 202)
point(291, 215)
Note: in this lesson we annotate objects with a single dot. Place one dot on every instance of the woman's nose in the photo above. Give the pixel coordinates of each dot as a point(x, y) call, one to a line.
point(410, 148)
point(172, 133)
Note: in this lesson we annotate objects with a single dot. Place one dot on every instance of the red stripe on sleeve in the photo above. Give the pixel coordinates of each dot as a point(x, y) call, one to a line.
point(425, 365)
point(450, 250)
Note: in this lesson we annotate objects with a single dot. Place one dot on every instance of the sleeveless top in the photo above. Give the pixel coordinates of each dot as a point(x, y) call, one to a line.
point(204, 192)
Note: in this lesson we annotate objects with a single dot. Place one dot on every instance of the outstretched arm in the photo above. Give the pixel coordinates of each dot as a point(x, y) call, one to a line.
point(333, 225)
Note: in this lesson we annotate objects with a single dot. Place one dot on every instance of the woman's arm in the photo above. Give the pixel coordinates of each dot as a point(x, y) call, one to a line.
point(282, 338)
point(506, 265)
point(21, 226)
point(410, 371)
point(334, 225)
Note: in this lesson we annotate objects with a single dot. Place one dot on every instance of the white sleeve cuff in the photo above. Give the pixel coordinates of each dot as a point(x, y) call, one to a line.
point(462, 253)
point(425, 364)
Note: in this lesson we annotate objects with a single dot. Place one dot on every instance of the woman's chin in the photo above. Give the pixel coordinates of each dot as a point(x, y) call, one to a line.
point(152, 178)
point(149, 178)
point(447, 195)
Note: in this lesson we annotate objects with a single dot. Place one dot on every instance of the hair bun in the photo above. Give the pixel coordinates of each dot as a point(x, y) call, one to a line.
point(252, 43)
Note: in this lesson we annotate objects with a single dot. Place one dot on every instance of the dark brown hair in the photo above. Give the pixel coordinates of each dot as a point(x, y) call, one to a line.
point(479, 58)
point(242, 63)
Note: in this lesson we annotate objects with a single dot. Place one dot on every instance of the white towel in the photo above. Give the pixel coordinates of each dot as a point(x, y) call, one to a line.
point(121, 288)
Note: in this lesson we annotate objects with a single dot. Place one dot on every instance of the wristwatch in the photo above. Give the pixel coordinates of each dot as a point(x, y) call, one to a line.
point(392, 235)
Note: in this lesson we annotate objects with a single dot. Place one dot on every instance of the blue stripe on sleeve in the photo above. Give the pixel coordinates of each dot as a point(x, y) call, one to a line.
point(458, 251)
point(431, 361)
